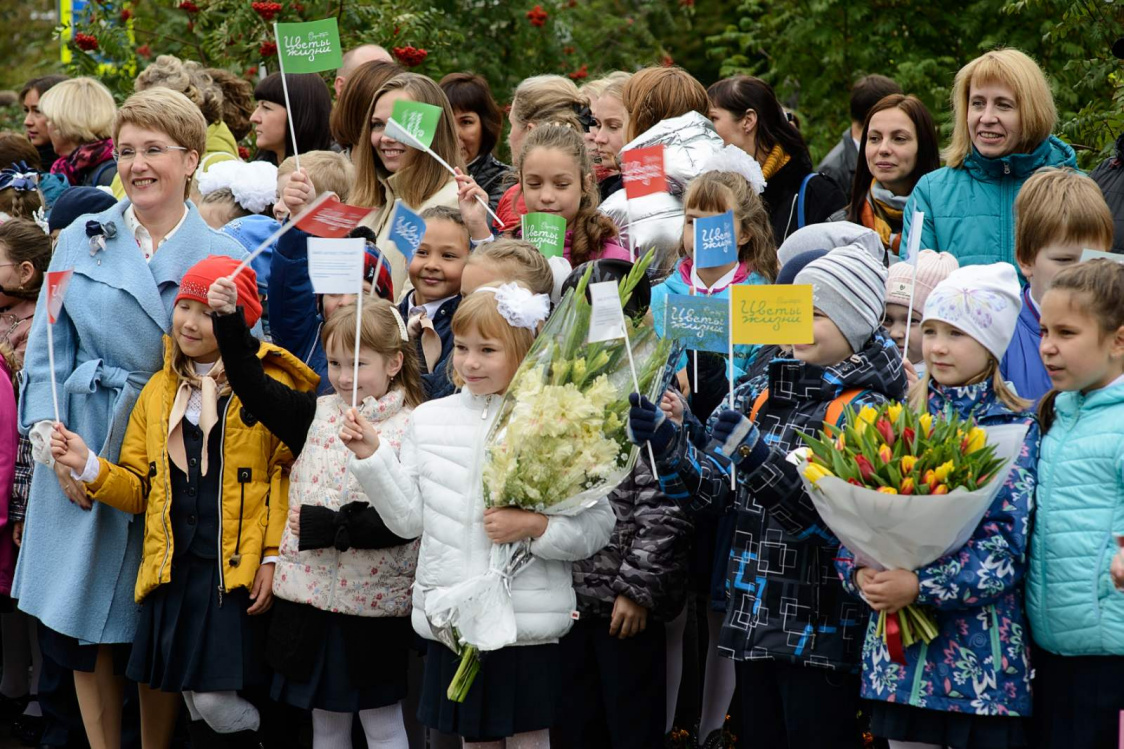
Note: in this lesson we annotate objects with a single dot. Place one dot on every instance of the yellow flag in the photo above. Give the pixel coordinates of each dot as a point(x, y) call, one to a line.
point(771, 314)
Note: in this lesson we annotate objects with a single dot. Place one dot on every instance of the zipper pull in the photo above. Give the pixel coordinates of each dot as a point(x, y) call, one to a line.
point(220, 595)
point(487, 405)
point(1006, 168)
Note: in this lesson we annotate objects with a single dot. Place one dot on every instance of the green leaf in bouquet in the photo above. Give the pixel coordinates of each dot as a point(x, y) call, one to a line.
point(895, 476)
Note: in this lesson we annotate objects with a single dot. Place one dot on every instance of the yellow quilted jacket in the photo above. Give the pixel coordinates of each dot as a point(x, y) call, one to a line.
point(255, 476)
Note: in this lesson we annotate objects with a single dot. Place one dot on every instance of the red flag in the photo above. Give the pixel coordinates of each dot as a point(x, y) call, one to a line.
point(643, 171)
point(57, 281)
point(333, 219)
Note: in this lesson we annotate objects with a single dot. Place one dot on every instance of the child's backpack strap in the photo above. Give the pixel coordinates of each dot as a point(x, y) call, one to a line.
point(835, 409)
point(801, 221)
point(100, 170)
point(758, 402)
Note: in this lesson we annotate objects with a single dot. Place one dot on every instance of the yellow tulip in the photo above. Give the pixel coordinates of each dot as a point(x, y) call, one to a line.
point(868, 415)
point(908, 462)
point(887, 490)
point(941, 489)
point(926, 421)
point(943, 470)
point(894, 410)
point(975, 440)
point(885, 454)
point(816, 472)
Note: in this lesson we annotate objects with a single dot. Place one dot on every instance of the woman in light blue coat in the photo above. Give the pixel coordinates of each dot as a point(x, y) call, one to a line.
point(1004, 115)
point(79, 560)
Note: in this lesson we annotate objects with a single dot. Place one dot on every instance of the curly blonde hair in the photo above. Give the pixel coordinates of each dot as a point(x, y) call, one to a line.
point(189, 78)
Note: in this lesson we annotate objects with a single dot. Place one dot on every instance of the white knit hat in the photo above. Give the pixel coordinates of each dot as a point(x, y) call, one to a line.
point(981, 300)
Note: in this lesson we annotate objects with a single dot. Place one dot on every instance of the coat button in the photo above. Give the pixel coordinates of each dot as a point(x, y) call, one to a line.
point(191, 520)
point(193, 462)
point(191, 491)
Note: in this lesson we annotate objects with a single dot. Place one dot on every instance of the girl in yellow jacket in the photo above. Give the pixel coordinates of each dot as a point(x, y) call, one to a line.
point(213, 484)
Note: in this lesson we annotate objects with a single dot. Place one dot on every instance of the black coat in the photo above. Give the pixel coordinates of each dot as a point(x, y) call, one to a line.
point(1109, 176)
point(821, 199)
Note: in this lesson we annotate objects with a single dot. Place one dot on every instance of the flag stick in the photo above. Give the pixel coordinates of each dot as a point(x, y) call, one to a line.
point(51, 360)
point(358, 332)
point(285, 88)
point(636, 384)
point(912, 251)
point(730, 364)
point(275, 235)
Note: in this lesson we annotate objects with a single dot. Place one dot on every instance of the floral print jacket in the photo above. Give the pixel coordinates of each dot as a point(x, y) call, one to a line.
point(979, 663)
point(356, 582)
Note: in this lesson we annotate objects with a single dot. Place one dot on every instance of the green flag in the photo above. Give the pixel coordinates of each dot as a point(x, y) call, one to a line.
point(309, 47)
point(417, 119)
point(547, 232)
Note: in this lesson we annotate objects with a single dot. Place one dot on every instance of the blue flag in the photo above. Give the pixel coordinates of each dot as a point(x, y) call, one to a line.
point(701, 323)
point(714, 241)
point(406, 229)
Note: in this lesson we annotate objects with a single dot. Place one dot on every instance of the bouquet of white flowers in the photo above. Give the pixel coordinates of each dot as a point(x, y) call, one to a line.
point(558, 446)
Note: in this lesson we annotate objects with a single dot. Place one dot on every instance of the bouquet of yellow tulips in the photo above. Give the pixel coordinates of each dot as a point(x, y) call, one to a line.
point(901, 489)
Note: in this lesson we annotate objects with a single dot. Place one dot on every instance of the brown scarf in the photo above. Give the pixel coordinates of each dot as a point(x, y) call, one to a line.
point(775, 161)
point(211, 386)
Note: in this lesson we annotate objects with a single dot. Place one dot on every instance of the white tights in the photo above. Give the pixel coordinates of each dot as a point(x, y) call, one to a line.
point(529, 740)
point(383, 727)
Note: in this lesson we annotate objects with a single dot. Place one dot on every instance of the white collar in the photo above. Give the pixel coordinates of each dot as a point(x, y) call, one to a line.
point(720, 284)
point(142, 235)
point(430, 307)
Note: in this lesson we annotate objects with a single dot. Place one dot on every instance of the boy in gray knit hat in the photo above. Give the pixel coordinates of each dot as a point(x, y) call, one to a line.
point(796, 640)
point(849, 294)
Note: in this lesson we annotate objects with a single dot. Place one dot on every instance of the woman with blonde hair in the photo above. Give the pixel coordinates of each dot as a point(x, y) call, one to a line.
point(386, 170)
point(610, 127)
point(128, 262)
point(1004, 113)
point(193, 81)
point(79, 116)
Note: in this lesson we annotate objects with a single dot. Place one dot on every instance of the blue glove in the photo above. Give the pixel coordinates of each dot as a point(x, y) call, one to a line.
point(733, 431)
point(648, 423)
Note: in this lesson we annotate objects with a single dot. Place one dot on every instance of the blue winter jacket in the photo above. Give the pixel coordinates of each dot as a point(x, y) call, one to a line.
point(1022, 364)
point(294, 315)
point(979, 663)
point(969, 210)
point(1071, 602)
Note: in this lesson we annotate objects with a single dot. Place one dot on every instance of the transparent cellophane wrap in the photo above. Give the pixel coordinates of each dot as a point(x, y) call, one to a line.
point(908, 532)
point(557, 447)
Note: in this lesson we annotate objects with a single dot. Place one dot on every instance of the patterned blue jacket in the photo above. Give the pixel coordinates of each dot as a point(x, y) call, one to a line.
point(785, 600)
point(979, 663)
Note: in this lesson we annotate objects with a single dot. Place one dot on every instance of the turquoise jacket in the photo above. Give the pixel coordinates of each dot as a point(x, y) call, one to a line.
point(1071, 603)
point(969, 211)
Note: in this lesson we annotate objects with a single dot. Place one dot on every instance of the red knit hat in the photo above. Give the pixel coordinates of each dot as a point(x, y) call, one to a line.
point(200, 276)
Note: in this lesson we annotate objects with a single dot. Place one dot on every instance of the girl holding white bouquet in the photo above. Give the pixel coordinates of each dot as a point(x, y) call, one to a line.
point(970, 687)
point(434, 489)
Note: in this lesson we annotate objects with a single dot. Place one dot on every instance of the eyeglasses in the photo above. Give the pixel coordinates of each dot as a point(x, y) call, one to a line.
point(150, 153)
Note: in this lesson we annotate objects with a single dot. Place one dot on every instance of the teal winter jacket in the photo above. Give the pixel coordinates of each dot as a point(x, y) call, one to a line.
point(970, 210)
point(1071, 603)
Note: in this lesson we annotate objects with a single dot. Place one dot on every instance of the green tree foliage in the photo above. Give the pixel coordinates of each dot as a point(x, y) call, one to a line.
point(812, 50)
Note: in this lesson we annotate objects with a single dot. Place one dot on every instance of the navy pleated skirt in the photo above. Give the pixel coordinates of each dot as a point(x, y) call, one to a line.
point(187, 641)
point(334, 683)
point(516, 690)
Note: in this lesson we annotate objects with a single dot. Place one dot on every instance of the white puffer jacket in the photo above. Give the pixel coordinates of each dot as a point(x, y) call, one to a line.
point(434, 489)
